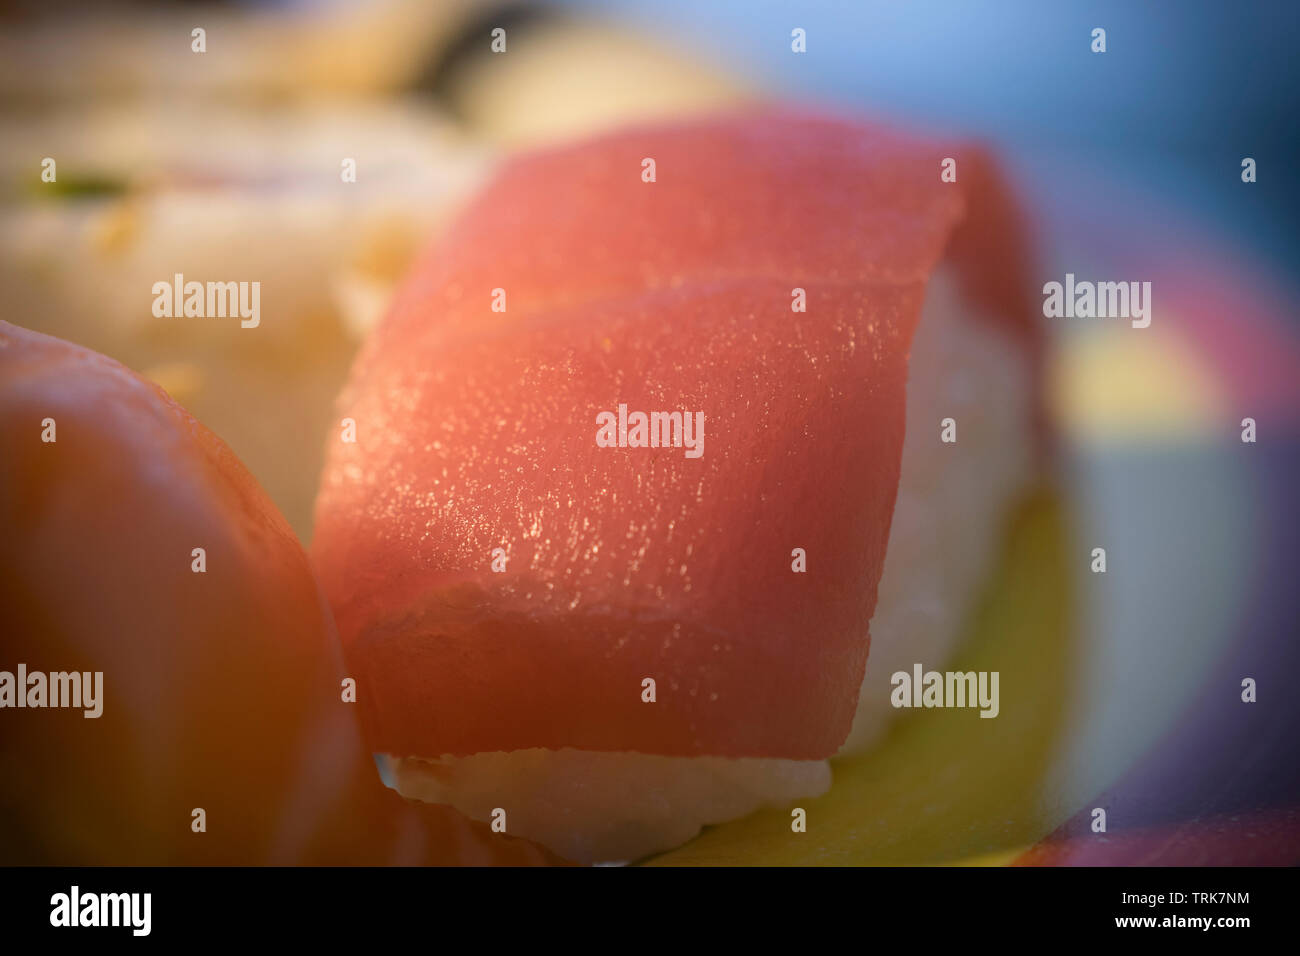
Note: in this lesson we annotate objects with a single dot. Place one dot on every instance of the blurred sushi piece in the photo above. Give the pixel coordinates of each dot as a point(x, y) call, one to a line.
point(554, 75)
point(138, 547)
point(144, 193)
point(253, 52)
point(523, 687)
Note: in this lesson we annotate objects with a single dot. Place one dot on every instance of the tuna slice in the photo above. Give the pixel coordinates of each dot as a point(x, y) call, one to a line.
point(574, 285)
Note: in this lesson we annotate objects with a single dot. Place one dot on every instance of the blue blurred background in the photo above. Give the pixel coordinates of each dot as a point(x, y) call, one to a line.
point(1185, 90)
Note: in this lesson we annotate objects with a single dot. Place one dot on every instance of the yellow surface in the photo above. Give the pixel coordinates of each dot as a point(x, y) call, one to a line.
point(1124, 383)
point(945, 786)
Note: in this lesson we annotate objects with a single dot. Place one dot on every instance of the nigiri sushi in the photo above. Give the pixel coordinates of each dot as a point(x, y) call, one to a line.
point(605, 646)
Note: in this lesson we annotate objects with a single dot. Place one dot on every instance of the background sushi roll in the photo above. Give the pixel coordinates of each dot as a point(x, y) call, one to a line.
point(147, 192)
point(505, 587)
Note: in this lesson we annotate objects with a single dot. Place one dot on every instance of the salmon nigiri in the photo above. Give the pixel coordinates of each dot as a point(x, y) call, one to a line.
point(647, 447)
